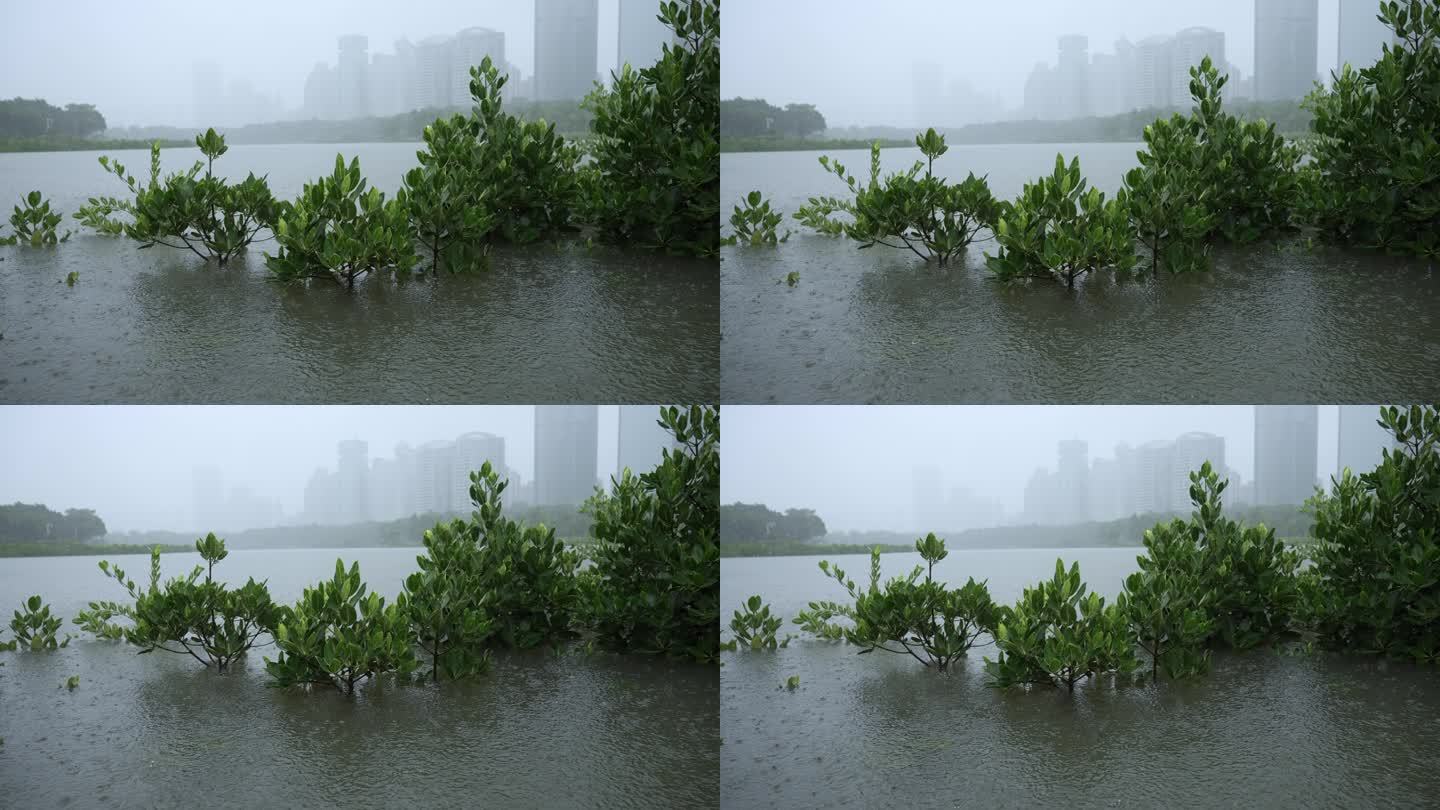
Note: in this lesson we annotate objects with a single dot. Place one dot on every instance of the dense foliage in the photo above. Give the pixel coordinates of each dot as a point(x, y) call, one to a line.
point(447, 605)
point(206, 215)
point(1169, 202)
point(210, 622)
point(34, 118)
point(1057, 229)
point(753, 627)
point(654, 175)
point(339, 231)
point(925, 619)
point(754, 116)
point(1375, 177)
point(34, 224)
point(449, 211)
point(654, 586)
point(1375, 583)
point(906, 210)
point(1057, 634)
point(30, 522)
point(1167, 603)
point(755, 223)
point(337, 636)
point(756, 521)
point(33, 628)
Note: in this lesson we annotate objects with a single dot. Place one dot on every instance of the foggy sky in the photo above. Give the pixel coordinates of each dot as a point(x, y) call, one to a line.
point(137, 66)
point(854, 464)
point(133, 464)
point(854, 59)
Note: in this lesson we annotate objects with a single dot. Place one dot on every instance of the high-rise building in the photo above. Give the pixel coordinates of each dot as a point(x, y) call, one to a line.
point(1285, 447)
point(641, 36)
point(209, 500)
point(566, 45)
point(566, 443)
point(433, 73)
point(322, 92)
point(1154, 62)
point(1362, 441)
point(1362, 36)
point(1287, 34)
point(434, 488)
point(641, 439)
point(352, 474)
point(1072, 473)
point(1189, 49)
point(1112, 80)
point(1041, 498)
point(469, 49)
point(1074, 76)
point(353, 76)
point(1155, 477)
point(470, 454)
point(1192, 450)
point(392, 80)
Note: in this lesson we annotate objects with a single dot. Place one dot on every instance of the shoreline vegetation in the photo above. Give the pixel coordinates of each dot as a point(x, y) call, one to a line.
point(43, 144)
point(20, 550)
point(767, 143)
point(797, 549)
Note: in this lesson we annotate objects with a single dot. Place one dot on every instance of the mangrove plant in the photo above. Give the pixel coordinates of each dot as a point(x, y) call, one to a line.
point(1168, 197)
point(33, 627)
point(340, 231)
point(203, 214)
point(932, 623)
point(906, 210)
point(654, 585)
point(1058, 229)
point(753, 627)
point(754, 223)
point(447, 606)
point(449, 209)
point(654, 173)
point(214, 624)
point(338, 636)
point(1168, 604)
point(33, 223)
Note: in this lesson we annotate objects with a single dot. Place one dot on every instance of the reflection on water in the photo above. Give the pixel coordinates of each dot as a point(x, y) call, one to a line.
point(1271, 323)
point(1260, 730)
point(540, 730)
point(546, 323)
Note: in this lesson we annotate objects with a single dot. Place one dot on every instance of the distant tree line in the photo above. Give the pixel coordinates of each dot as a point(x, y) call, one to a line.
point(755, 522)
point(36, 523)
point(750, 117)
point(34, 118)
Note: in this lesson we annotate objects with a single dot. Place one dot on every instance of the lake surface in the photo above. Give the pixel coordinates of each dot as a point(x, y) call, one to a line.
point(540, 730)
point(1262, 729)
point(546, 323)
point(1272, 323)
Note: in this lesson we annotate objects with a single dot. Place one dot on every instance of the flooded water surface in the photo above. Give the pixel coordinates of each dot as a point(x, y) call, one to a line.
point(1262, 729)
point(1273, 322)
point(545, 323)
point(540, 730)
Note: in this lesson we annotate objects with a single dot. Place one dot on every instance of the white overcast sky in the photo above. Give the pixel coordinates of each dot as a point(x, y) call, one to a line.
point(133, 464)
point(135, 60)
point(854, 59)
point(855, 464)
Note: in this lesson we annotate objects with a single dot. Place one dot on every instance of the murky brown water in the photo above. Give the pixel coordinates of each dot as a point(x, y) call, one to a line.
point(1271, 323)
point(539, 730)
point(1262, 729)
point(546, 323)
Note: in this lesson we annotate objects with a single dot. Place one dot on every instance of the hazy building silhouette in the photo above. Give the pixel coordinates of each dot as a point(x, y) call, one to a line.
point(1362, 36)
point(1287, 34)
point(566, 45)
point(1073, 65)
point(1285, 447)
point(1361, 440)
point(929, 498)
point(392, 80)
point(641, 37)
point(352, 473)
point(322, 93)
point(209, 498)
point(641, 440)
point(1155, 476)
point(469, 49)
point(566, 442)
point(1192, 450)
point(1112, 80)
point(352, 76)
point(1189, 49)
point(470, 453)
point(1072, 473)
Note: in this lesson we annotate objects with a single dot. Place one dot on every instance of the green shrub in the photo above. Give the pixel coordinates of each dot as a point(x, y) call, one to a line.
point(211, 623)
point(206, 215)
point(754, 628)
point(34, 628)
point(337, 636)
point(34, 225)
point(1375, 177)
point(447, 605)
point(1375, 583)
point(522, 171)
point(449, 209)
point(1056, 229)
point(755, 223)
point(1168, 199)
point(932, 623)
point(906, 210)
point(1167, 603)
point(337, 230)
point(654, 176)
point(654, 586)
point(1057, 634)
point(1247, 168)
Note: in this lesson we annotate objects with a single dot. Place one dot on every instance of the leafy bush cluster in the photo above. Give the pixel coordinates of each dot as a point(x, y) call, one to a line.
point(755, 223)
point(753, 627)
point(906, 210)
point(1374, 586)
point(654, 174)
point(34, 628)
point(34, 224)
